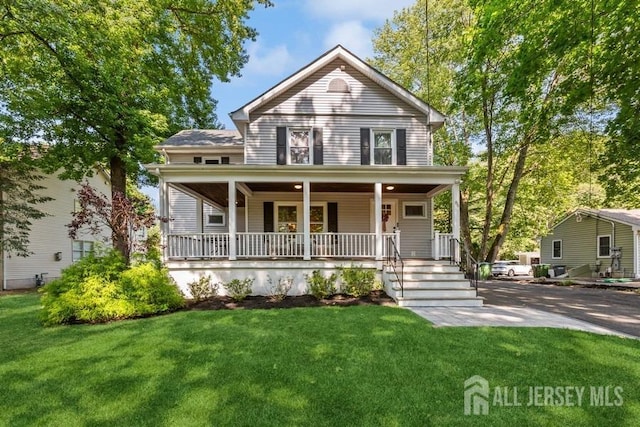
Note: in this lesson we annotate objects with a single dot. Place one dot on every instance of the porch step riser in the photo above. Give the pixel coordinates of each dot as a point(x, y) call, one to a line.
point(468, 302)
point(428, 277)
point(436, 293)
point(464, 285)
point(427, 269)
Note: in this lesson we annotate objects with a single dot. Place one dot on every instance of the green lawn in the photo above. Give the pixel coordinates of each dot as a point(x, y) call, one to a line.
point(315, 366)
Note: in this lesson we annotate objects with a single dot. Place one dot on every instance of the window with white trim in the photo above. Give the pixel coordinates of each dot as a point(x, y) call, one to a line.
point(216, 219)
point(289, 217)
point(299, 147)
point(556, 249)
point(604, 246)
point(383, 149)
point(414, 210)
point(80, 249)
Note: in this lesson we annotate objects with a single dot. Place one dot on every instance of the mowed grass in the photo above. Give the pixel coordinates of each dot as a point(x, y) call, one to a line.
point(378, 366)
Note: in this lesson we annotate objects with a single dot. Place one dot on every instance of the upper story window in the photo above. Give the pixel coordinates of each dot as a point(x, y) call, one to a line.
point(383, 147)
point(299, 147)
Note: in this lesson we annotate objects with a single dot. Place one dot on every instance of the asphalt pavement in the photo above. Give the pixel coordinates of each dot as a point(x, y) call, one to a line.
point(610, 308)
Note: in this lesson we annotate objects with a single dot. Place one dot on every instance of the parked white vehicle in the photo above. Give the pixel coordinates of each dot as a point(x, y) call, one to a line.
point(510, 268)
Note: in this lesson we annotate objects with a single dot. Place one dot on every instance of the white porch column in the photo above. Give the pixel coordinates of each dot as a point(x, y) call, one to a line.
point(436, 245)
point(164, 215)
point(377, 206)
point(306, 222)
point(232, 220)
point(199, 216)
point(455, 218)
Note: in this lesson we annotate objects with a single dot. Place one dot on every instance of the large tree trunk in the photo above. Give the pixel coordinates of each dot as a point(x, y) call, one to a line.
point(505, 220)
point(119, 234)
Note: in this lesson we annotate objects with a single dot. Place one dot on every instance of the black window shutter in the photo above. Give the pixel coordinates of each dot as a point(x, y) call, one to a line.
point(268, 217)
point(281, 145)
point(332, 217)
point(365, 146)
point(401, 146)
point(317, 147)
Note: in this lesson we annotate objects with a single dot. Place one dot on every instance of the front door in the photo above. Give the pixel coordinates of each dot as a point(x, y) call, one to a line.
point(389, 216)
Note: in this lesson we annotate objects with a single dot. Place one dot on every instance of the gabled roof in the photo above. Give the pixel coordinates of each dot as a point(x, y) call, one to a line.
point(629, 217)
point(204, 138)
point(242, 115)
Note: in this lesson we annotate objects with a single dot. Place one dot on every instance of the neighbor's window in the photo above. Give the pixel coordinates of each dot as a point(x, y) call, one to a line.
point(556, 251)
point(414, 210)
point(382, 147)
point(604, 246)
point(81, 248)
point(300, 147)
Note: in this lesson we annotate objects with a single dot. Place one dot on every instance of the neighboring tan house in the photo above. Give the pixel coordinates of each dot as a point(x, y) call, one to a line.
point(49, 240)
point(331, 167)
point(595, 243)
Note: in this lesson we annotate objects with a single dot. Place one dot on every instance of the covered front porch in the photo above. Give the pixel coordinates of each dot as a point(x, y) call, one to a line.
point(308, 213)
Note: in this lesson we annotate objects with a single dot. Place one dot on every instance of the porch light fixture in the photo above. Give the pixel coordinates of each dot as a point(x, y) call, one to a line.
point(297, 186)
point(390, 187)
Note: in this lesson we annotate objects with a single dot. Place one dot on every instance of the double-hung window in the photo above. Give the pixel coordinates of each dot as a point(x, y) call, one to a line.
point(80, 249)
point(383, 147)
point(604, 246)
point(300, 147)
point(556, 249)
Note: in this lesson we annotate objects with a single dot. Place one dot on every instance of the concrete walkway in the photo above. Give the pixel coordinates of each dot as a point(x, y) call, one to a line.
point(491, 315)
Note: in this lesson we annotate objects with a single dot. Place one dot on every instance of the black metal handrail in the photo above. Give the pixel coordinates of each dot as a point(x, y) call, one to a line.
point(393, 256)
point(469, 266)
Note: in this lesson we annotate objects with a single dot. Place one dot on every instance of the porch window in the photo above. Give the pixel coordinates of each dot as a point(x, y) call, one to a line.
point(299, 149)
point(317, 219)
point(556, 249)
point(216, 219)
point(383, 147)
point(287, 219)
point(80, 249)
point(414, 210)
point(604, 246)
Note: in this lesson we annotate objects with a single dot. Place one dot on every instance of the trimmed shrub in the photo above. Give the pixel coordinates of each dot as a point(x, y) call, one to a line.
point(239, 289)
point(202, 288)
point(102, 288)
point(320, 286)
point(357, 281)
point(278, 291)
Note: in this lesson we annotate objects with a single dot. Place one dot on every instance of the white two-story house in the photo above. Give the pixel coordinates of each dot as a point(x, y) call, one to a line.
point(333, 166)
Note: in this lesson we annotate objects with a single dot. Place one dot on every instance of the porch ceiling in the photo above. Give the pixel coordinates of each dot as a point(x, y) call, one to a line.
point(218, 192)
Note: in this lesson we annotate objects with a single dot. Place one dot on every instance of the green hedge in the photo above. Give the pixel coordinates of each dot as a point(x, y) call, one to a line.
point(102, 288)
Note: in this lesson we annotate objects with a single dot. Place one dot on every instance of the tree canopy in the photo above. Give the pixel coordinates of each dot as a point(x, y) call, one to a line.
point(530, 88)
point(103, 81)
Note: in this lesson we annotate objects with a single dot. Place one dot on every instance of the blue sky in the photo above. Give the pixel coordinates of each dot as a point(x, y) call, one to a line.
point(293, 33)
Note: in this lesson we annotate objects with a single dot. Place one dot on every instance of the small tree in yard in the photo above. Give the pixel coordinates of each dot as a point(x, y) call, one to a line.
point(123, 215)
point(18, 197)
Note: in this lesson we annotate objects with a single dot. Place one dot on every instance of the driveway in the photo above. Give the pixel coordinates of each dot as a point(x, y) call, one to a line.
point(610, 308)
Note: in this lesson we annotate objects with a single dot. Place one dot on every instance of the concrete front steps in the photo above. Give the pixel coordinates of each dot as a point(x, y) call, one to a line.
point(430, 284)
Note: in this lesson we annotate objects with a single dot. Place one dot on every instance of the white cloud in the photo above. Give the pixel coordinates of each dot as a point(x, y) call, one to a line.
point(339, 10)
point(353, 36)
point(268, 61)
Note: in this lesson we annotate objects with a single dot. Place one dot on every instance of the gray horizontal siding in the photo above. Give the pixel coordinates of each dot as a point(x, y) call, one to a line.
point(341, 137)
point(579, 243)
point(234, 158)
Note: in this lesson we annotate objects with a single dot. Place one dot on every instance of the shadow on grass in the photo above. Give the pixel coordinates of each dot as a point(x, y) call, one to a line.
point(312, 366)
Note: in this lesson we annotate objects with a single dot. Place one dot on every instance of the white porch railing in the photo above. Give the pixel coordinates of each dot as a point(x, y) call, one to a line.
point(442, 245)
point(198, 245)
point(276, 245)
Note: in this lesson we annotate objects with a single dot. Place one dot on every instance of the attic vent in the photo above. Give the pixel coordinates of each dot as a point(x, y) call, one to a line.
point(338, 85)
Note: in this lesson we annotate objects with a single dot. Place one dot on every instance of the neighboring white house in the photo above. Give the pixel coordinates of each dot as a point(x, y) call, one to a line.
point(333, 166)
point(49, 240)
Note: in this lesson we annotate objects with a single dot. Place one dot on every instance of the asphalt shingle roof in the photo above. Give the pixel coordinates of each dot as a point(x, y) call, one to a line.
point(204, 137)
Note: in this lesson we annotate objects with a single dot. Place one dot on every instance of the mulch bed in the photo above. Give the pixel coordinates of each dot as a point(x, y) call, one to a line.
point(263, 302)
